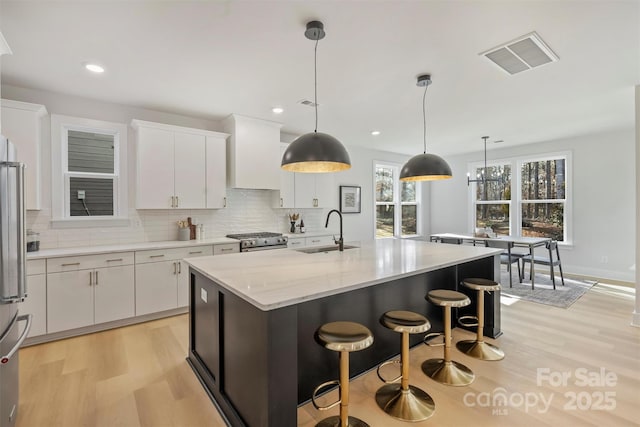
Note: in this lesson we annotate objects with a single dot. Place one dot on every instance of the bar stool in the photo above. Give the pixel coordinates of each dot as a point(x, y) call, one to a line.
point(404, 401)
point(478, 348)
point(344, 337)
point(446, 371)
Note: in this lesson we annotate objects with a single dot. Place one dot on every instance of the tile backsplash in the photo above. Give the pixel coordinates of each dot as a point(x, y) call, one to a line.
point(246, 211)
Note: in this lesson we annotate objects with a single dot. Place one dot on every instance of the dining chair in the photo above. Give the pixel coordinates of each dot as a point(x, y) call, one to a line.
point(507, 258)
point(548, 259)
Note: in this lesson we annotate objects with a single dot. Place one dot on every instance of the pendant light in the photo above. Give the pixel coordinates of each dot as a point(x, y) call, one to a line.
point(483, 177)
point(315, 151)
point(425, 167)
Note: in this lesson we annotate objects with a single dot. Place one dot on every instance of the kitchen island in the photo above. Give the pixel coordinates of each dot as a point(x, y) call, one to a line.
point(253, 316)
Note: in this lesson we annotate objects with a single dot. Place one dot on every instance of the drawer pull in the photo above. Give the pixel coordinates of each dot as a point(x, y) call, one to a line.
point(156, 256)
point(195, 252)
point(315, 241)
point(226, 249)
point(70, 264)
point(115, 260)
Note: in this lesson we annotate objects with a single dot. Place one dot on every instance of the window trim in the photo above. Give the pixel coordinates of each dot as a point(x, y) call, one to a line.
point(515, 208)
point(397, 203)
point(60, 126)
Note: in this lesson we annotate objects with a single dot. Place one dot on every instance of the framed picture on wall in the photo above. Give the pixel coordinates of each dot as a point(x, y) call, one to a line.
point(349, 199)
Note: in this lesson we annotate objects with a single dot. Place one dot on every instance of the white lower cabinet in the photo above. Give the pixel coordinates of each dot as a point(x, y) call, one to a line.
point(162, 278)
point(36, 301)
point(114, 293)
point(320, 241)
point(156, 287)
point(80, 293)
point(301, 242)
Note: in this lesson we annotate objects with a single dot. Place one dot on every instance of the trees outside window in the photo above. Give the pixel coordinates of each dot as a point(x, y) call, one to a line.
point(533, 202)
point(396, 202)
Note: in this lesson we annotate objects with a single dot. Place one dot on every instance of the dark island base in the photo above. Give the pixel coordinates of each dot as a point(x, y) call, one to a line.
point(259, 366)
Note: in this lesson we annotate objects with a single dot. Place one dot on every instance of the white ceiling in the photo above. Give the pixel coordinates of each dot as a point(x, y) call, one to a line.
point(210, 59)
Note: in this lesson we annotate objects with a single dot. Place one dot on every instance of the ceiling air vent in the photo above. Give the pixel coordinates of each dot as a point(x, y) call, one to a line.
point(521, 54)
point(308, 103)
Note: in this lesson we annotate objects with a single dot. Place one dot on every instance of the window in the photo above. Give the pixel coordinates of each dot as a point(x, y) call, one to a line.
point(543, 198)
point(89, 170)
point(396, 202)
point(533, 202)
point(493, 199)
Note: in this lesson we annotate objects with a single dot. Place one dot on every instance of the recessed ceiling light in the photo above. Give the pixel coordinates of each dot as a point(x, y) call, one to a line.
point(94, 67)
point(375, 132)
point(277, 110)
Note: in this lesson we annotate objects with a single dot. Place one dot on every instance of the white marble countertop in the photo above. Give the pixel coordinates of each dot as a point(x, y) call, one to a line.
point(91, 250)
point(273, 279)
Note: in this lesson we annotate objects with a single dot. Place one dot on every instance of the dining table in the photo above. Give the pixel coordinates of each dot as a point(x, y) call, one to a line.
point(518, 241)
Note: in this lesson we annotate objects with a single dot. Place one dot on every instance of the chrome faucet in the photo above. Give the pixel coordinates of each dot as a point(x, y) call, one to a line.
point(340, 241)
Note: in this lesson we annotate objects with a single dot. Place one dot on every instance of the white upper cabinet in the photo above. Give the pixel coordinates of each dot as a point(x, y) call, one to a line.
point(254, 155)
point(179, 168)
point(21, 124)
point(216, 172)
point(190, 175)
point(305, 190)
point(286, 197)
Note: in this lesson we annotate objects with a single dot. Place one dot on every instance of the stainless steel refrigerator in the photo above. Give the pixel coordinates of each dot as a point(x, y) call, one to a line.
point(12, 279)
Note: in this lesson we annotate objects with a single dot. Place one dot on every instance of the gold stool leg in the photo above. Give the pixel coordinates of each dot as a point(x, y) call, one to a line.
point(478, 348)
point(404, 401)
point(446, 371)
point(344, 420)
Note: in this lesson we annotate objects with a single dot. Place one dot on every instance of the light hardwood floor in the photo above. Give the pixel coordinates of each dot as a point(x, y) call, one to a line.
point(138, 376)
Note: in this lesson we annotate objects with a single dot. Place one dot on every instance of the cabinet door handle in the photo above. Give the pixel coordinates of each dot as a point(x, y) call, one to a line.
point(173, 203)
point(195, 252)
point(179, 267)
point(91, 278)
point(315, 203)
point(156, 256)
point(115, 260)
point(224, 205)
point(175, 268)
point(177, 201)
point(70, 264)
point(281, 202)
point(97, 278)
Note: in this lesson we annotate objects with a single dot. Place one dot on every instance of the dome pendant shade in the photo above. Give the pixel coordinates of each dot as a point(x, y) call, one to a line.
point(425, 167)
point(316, 152)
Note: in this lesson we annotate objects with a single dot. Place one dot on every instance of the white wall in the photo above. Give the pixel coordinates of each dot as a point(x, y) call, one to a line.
point(248, 210)
point(603, 178)
point(361, 226)
point(635, 319)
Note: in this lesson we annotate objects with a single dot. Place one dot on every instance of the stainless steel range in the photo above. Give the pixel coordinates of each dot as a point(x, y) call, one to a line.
point(251, 242)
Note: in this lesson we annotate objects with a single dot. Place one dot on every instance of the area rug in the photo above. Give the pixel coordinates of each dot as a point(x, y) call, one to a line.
point(562, 296)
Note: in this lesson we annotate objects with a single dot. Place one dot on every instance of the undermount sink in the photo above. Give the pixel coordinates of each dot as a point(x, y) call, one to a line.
point(318, 249)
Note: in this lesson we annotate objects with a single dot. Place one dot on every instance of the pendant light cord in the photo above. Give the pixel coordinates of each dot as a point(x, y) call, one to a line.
point(315, 82)
point(424, 118)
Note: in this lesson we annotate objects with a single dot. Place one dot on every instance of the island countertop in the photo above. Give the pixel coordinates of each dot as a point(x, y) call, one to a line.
point(283, 277)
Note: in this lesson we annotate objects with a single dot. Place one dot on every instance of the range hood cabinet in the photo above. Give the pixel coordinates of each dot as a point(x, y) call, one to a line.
point(253, 154)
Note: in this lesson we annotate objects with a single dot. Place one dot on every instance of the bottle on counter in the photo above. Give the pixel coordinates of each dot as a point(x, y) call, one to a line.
point(302, 229)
